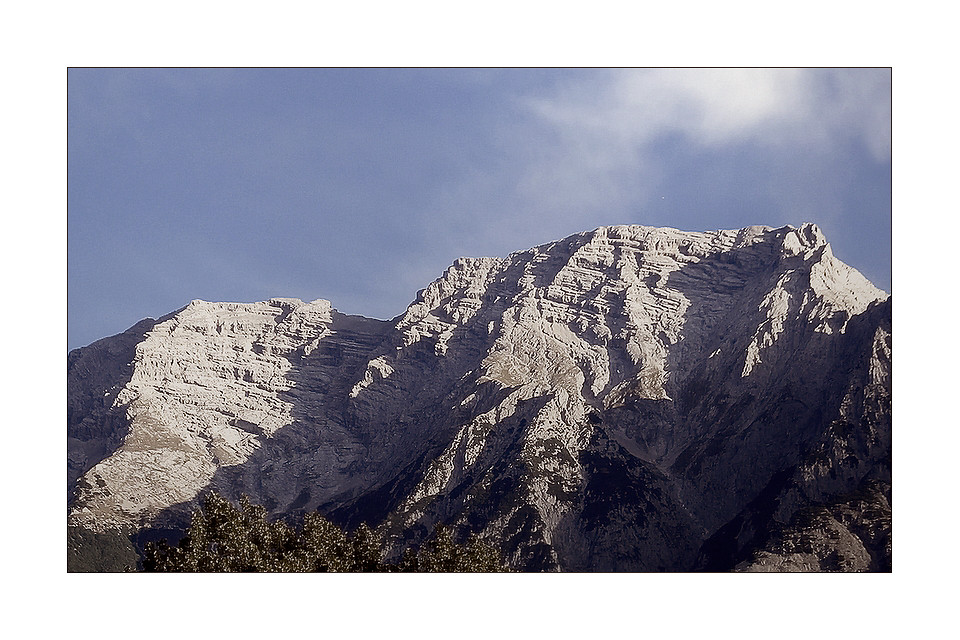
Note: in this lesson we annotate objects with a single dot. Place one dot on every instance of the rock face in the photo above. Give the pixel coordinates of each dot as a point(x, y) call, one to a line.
point(626, 399)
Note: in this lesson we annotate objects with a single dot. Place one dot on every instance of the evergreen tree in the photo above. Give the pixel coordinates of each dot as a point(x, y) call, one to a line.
point(322, 546)
point(224, 538)
point(442, 554)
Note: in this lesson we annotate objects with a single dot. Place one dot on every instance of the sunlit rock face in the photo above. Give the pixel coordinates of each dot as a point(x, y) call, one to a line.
point(624, 399)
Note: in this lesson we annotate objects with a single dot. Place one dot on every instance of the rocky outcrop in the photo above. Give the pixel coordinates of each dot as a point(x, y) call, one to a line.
point(628, 398)
point(850, 534)
point(210, 386)
point(96, 374)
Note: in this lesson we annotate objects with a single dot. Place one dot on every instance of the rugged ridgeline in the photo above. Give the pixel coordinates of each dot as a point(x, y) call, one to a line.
point(629, 398)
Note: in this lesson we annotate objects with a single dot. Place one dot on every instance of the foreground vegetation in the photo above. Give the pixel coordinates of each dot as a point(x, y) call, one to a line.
point(223, 537)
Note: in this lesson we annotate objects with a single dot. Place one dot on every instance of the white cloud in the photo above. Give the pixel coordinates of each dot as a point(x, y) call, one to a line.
point(708, 105)
point(630, 108)
point(609, 128)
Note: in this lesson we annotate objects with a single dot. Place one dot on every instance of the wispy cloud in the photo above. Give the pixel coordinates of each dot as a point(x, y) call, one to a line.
point(611, 128)
point(626, 109)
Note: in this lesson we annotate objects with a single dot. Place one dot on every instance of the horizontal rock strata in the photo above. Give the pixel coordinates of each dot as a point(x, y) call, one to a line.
point(629, 398)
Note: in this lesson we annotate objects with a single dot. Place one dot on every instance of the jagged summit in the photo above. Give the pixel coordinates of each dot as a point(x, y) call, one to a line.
point(614, 400)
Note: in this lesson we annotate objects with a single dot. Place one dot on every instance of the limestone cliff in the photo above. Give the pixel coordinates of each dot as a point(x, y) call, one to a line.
point(628, 398)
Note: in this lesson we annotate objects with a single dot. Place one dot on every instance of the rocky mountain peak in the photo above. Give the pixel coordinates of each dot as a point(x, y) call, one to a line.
point(588, 402)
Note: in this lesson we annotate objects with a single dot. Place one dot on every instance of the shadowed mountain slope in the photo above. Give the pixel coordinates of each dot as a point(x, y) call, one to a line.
point(624, 399)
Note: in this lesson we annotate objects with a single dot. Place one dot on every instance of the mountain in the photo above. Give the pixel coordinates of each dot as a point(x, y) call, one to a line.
point(624, 399)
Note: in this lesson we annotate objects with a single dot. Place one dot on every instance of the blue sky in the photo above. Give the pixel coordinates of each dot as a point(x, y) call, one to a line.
point(361, 186)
